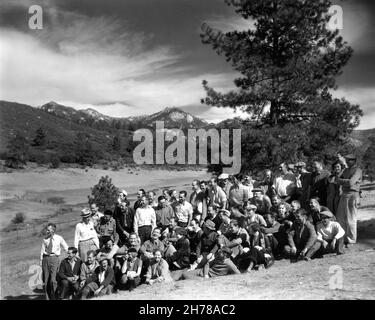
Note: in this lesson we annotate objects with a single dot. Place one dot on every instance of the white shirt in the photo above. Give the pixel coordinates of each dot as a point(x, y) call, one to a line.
point(57, 243)
point(85, 232)
point(285, 184)
point(217, 196)
point(101, 276)
point(333, 230)
point(183, 211)
point(144, 217)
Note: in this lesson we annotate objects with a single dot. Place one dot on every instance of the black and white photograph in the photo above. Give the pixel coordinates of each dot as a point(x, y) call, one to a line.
point(186, 150)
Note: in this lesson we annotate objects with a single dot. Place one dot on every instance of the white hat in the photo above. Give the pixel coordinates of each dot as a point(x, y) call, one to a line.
point(224, 176)
point(124, 192)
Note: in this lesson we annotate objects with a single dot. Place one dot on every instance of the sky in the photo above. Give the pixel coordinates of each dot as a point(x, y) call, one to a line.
point(132, 57)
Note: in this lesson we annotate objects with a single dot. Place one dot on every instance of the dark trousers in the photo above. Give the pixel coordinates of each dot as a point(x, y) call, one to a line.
point(128, 283)
point(67, 287)
point(144, 233)
point(323, 249)
point(309, 253)
point(90, 288)
point(182, 224)
point(50, 264)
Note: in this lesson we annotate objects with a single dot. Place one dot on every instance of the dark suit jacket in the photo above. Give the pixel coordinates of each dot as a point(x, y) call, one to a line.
point(302, 236)
point(66, 271)
point(319, 185)
point(108, 279)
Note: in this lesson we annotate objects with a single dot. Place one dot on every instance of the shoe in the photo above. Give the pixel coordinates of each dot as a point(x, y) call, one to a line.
point(307, 258)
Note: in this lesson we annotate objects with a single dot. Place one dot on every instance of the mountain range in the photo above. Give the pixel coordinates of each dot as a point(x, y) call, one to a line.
point(62, 123)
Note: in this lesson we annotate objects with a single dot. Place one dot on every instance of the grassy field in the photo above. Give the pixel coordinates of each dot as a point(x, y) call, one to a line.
point(303, 280)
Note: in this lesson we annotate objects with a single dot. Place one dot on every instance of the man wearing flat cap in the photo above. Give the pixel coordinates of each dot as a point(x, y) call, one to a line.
point(330, 235)
point(261, 201)
point(350, 180)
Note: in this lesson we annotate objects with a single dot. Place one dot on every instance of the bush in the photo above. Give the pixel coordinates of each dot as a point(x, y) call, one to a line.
point(55, 162)
point(104, 194)
point(19, 218)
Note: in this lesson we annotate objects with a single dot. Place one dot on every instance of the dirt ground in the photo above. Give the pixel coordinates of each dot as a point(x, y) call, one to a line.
point(284, 280)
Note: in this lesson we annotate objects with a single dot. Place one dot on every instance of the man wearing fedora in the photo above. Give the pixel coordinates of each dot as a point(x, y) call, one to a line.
point(350, 180)
point(85, 236)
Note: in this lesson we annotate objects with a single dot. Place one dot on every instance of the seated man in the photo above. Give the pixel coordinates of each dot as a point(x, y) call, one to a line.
point(330, 235)
point(148, 248)
point(131, 270)
point(284, 217)
point(158, 269)
point(221, 265)
point(107, 228)
point(103, 282)
point(313, 211)
point(236, 239)
point(301, 238)
point(260, 253)
point(212, 214)
point(108, 250)
point(274, 233)
point(251, 217)
point(208, 245)
point(194, 235)
point(224, 227)
point(87, 273)
point(69, 273)
point(261, 201)
point(180, 259)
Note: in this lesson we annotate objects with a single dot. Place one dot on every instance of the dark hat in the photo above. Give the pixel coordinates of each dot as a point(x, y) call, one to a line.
point(108, 212)
point(210, 224)
point(326, 214)
point(257, 190)
point(351, 157)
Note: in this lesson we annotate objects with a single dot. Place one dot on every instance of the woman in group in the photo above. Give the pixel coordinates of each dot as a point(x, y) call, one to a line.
point(85, 238)
point(158, 270)
point(334, 189)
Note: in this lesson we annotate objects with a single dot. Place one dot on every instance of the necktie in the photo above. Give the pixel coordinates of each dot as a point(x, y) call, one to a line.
point(49, 248)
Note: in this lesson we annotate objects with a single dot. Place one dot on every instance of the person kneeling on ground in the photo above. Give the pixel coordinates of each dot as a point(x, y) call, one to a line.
point(158, 270)
point(330, 235)
point(131, 270)
point(301, 238)
point(108, 250)
point(103, 283)
point(222, 265)
point(260, 253)
point(180, 259)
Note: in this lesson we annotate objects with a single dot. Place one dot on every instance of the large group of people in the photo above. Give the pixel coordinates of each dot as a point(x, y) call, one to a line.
point(230, 224)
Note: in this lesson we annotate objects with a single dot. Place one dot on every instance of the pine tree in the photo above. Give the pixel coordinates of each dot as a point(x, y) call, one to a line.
point(104, 194)
point(40, 138)
point(288, 61)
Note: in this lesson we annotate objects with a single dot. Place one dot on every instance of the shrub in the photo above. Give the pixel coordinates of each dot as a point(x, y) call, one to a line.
point(55, 162)
point(19, 218)
point(104, 194)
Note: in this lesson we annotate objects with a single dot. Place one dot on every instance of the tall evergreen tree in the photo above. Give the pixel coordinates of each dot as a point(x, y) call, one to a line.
point(40, 138)
point(288, 60)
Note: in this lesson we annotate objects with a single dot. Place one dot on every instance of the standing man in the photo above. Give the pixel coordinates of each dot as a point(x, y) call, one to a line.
point(198, 201)
point(164, 213)
point(285, 184)
point(144, 220)
point(95, 214)
point(69, 273)
point(140, 194)
point(237, 194)
point(152, 199)
point(183, 210)
point(225, 183)
point(124, 217)
point(216, 195)
point(85, 236)
point(303, 182)
point(319, 182)
point(107, 227)
point(49, 259)
point(266, 183)
point(350, 180)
